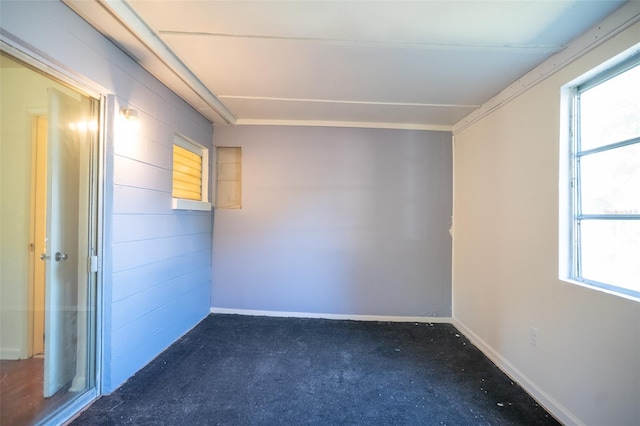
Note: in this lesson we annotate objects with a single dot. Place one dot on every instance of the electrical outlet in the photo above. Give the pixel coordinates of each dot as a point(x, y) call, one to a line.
point(533, 337)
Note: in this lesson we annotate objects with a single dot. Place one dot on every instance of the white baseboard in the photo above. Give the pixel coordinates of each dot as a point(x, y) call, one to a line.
point(383, 318)
point(554, 407)
point(10, 353)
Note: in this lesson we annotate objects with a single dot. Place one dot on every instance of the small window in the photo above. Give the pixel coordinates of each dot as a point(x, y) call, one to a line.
point(229, 177)
point(605, 180)
point(190, 174)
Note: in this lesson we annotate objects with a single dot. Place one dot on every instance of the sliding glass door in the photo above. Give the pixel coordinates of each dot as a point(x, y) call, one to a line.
point(48, 227)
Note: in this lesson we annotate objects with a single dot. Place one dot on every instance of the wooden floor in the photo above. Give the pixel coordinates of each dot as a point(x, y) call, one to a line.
point(21, 400)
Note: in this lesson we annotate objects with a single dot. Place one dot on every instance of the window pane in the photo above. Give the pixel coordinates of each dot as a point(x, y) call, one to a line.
point(610, 112)
point(610, 181)
point(611, 252)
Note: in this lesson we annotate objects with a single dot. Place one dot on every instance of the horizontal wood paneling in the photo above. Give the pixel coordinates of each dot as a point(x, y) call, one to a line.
point(135, 280)
point(137, 253)
point(156, 270)
point(130, 172)
point(128, 310)
point(132, 227)
point(143, 328)
point(140, 201)
point(167, 324)
point(172, 116)
point(149, 151)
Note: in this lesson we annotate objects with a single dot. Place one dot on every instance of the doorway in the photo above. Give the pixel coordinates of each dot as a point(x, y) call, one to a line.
point(49, 244)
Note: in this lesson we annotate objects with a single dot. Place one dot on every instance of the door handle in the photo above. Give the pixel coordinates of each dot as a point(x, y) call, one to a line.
point(60, 256)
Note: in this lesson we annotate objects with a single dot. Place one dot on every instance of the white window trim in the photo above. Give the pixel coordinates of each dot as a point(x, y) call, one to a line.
point(567, 190)
point(203, 204)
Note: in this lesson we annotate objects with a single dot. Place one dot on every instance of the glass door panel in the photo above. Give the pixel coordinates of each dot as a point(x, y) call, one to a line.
point(47, 313)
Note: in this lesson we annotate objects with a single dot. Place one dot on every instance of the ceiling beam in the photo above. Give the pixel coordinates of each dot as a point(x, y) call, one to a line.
point(346, 102)
point(621, 19)
point(349, 124)
point(121, 10)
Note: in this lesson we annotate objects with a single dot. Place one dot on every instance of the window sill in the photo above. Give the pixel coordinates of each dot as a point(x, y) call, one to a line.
point(181, 204)
point(601, 289)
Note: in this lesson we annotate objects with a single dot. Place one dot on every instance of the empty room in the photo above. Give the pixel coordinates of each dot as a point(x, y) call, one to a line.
point(320, 212)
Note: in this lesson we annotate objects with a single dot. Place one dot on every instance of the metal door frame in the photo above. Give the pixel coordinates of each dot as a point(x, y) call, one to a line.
point(46, 66)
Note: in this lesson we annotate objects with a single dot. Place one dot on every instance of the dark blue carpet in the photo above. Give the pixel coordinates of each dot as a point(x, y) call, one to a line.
point(241, 370)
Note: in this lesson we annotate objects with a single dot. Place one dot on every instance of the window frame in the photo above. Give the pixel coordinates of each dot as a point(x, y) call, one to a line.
point(222, 192)
point(182, 203)
point(574, 217)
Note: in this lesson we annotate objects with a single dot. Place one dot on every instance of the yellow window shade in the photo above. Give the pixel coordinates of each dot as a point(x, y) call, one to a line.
point(187, 174)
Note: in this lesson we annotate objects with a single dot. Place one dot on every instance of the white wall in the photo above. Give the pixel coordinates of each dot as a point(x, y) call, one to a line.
point(337, 221)
point(586, 366)
point(156, 261)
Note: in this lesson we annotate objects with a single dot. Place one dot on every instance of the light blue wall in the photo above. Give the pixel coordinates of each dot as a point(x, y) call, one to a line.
point(337, 221)
point(157, 262)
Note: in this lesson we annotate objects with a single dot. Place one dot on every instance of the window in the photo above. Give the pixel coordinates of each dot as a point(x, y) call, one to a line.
point(190, 175)
point(604, 184)
point(229, 177)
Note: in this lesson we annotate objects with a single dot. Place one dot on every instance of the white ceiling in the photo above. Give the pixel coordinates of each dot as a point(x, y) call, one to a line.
point(406, 64)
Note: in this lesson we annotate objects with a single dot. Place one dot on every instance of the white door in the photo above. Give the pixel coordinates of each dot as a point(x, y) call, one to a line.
point(67, 225)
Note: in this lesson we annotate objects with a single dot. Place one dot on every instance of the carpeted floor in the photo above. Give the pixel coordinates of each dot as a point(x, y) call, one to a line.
point(241, 370)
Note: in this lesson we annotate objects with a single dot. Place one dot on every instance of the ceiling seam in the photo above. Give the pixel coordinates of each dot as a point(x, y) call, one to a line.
point(423, 45)
point(332, 101)
point(350, 124)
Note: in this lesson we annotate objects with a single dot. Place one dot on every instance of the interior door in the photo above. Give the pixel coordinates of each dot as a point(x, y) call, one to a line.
point(65, 253)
